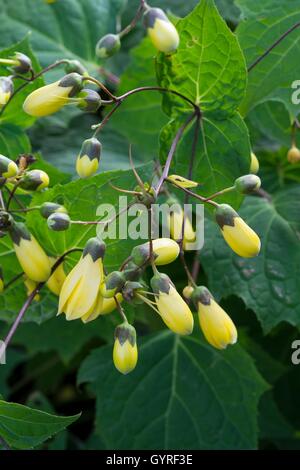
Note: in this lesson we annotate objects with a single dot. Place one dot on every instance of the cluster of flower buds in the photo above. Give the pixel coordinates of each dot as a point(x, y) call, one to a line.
point(19, 64)
point(57, 216)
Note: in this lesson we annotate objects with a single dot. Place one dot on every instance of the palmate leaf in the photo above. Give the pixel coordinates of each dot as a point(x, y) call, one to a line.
point(208, 67)
point(24, 428)
point(265, 23)
point(192, 396)
point(267, 284)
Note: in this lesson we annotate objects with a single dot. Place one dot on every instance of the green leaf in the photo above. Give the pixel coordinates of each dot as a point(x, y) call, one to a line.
point(218, 84)
point(272, 424)
point(13, 141)
point(14, 113)
point(147, 105)
point(186, 391)
point(223, 153)
point(268, 284)
point(24, 428)
point(273, 77)
point(66, 29)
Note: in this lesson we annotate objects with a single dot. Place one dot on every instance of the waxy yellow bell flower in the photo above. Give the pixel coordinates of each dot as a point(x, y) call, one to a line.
point(8, 168)
point(161, 31)
point(217, 326)
point(125, 353)
point(239, 236)
point(51, 98)
point(6, 90)
point(88, 159)
point(79, 292)
point(102, 307)
point(172, 308)
point(175, 223)
point(57, 279)
point(30, 287)
point(31, 256)
point(165, 251)
point(254, 165)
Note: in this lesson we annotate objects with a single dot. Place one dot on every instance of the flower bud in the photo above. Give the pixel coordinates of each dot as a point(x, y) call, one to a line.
point(125, 353)
point(102, 307)
point(254, 165)
point(34, 180)
point(239, 236)
point(31, 256)
point(6, 90)
point(24, 64)
point(51, 98)
point(161, 31)
point(165, 251)
point(217, 326)
point(58, 222)
point(182, 182)
point(1, 281)
point(247, 184)
point(129, 292)
point(172, 308)
point(188, 292)
point(113, 283)
point(132, 272)
point(6, 221)
point(293, 155)
point(49, 208)
point(108, 46)
point(8, 168)
point(89, 100)
point(74, 66)
point(176, 219)
point(57, 278)
point(88, 158)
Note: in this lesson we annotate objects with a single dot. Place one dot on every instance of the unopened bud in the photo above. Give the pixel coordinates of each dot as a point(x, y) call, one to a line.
point(34, 180)
point(58, 222)
point(112, 285)
point(88, 159)
point(49, 208)
point(24, 64)
point(8, 168)
point(108, 46)
point(254, 165)
point(6, 90)
point(125, 353)
point(77, 67)
point(89, 100)
point(293, 155)
point(247, 184)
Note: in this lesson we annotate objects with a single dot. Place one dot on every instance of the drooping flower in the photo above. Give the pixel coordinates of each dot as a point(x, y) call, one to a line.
point(125, 352)
point(172, 308)
point(79, 292)
point(88, 159)
point(217, 326)
point(51, 98)
point(57, 278)
point(165, 251)
point(239, 236)
point(102, 307)
point(161, 31)
point(31, 256)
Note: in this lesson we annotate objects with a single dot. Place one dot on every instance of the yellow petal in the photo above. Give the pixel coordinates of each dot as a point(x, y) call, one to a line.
point(164, 36)
point(125, 356)
point(34, 261)
point(86, 167)
point(57, 279)
point(46, 100)
point(175, 312)
point(176, 224)
point(217, 326)
point(241, 238)
point(102, 307)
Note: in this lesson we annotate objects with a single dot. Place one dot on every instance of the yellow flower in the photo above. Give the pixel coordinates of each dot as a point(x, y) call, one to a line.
point(125, 353)
point(102, 307)
point(34, 261)
point(172, 308)
point(57, 279)
point(8, 168)
point(217, 326)
point(30, 287)
point(51, 98)
point(161, 31)
point(239, 236)
point(79, 292)
point(175, 223)
point(88, 160)
point(165, 251)
point(182, 182)
point(254, 166)
point(6, 90)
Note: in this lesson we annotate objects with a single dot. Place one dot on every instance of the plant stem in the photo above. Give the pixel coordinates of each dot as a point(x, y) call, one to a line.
point(13, 280)
point(120, 310)
point(220, 193)
point(133, 23)
point(98, 127)
point(162, 90)
point(100, 85)
point(172, 152)
point(197, 196)
point(275, 44)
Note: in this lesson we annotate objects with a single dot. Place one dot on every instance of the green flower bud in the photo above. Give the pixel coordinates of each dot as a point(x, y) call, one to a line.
point(95, 248)
point(112, 285)
point(247, 184)
point(88, 158)
point(58, 222)
point(24, 63)
point(108, 46)
point(132, 272)
point(129, 291)
point(34, 180)
point(89, 100)
point(49, 208)
point(8, 168)
point(76, 66)
point(6, 221)
point(6, 90)
point(254, 165)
